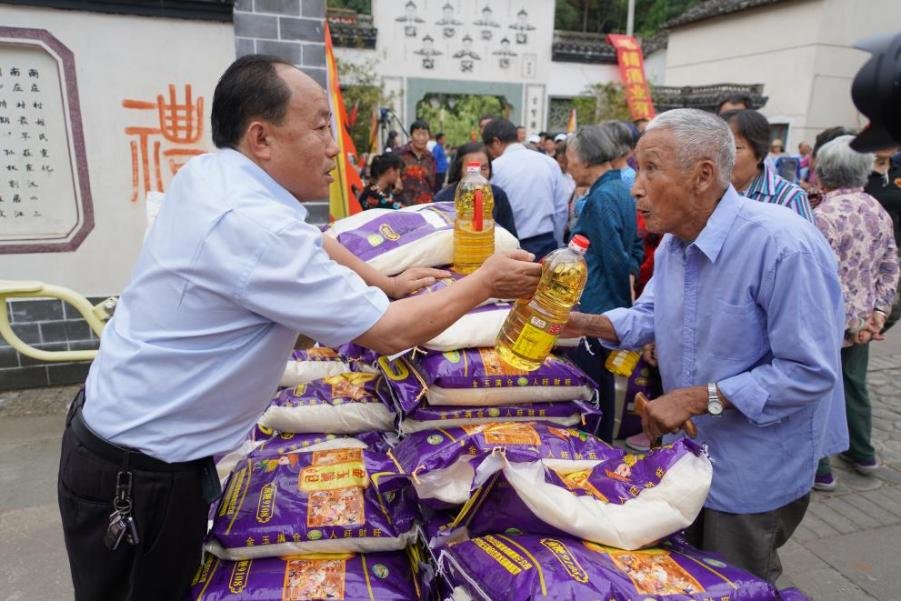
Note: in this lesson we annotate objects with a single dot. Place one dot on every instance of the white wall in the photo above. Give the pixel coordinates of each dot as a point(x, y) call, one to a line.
point(399, 57)
point(571, 79)
point(655, 67)
point(801, 51)
point(118, 58)
point(397, 52)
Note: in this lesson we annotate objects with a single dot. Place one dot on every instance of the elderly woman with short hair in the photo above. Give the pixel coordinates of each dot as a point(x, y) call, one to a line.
point(624, 138)
point(860, 233)
point(608, 221)
point(752, 176)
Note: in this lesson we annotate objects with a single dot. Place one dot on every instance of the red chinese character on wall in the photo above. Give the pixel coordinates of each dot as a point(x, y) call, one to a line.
point(163, 150)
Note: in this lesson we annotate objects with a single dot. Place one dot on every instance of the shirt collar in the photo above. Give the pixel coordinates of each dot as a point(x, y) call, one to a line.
point(764, 183)
point(514, 147)
point(239, 161)
point(611, 174)
point(712, 238)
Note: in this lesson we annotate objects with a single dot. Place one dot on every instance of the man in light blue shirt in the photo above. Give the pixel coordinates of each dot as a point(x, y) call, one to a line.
point(745, 308)
point(227, 278)
point(537, 189)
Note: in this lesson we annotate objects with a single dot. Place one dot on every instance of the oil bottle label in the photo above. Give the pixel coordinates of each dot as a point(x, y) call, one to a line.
point(534, 342)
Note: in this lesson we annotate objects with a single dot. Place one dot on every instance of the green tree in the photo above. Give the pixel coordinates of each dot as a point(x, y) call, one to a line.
point(458, 115)
point(362, 89)
point(601, 102)
point(609, 16)
point(360, 6)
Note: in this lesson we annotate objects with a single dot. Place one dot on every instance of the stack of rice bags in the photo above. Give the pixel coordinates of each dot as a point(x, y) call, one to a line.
point(555, 513)
point(318, 508)
point(457, 378)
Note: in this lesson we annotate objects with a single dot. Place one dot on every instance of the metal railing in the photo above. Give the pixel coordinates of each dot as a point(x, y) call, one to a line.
point(95, 315)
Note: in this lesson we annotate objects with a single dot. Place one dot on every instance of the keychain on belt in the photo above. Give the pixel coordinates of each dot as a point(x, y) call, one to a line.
point(121, 522)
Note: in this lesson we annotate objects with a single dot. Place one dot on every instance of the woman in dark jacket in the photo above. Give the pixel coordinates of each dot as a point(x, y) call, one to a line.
point(503, 214)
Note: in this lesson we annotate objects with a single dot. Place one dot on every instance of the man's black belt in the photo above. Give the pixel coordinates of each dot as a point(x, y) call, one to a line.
point(121, 455)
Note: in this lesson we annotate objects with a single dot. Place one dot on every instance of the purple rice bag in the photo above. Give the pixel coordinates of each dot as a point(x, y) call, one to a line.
point(569, 414)
point(345, 403)
point(627, 501)
point(339, 500)
point(417, 236)
point(533, 568)
point(373, 236)
point(644, 379)
point(443, 462)
point(307, 365)
point(351, 577)
point(476, 377)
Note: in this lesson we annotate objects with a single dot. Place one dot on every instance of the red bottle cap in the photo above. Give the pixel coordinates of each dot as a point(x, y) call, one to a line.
point(474, 165)
point(581, 242)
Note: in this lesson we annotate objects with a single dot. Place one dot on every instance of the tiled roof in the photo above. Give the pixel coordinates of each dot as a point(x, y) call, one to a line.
point(715, 8)
point(703, 97)
point(578, 47)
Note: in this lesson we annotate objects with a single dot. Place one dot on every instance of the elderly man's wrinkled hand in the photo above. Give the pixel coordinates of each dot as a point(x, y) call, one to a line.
point(413, 279)
point(575, 327)
point(511, 274)
point(649, 354)
point(666, 414)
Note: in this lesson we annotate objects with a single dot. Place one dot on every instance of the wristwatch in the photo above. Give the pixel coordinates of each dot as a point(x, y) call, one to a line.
point(714, 404)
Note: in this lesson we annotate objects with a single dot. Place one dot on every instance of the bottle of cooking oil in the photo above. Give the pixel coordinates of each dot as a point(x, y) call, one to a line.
point(474, 225)
point(531, 329)
point(622, 362)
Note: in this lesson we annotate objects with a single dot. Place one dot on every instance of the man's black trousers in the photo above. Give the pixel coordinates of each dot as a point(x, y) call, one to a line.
point(168, 508)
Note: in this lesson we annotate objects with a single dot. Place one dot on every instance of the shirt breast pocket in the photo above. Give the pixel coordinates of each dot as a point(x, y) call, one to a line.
point(737, 331)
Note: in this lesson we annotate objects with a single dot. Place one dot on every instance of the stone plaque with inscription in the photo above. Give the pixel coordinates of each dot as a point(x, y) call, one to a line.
point(45, 198)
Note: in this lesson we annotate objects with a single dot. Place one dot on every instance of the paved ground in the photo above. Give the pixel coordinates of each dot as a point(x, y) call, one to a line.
point(847, 548)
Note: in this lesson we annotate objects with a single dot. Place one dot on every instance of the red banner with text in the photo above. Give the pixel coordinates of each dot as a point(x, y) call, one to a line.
point(631, 71)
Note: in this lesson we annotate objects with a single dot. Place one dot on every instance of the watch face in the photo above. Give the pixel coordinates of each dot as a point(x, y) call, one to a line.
point(714, 407)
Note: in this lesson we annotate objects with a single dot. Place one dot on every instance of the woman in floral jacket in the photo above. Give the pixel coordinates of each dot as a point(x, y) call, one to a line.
point(860, 233)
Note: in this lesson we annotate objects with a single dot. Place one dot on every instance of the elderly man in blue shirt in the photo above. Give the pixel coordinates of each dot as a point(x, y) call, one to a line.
point(745, 307)
point(227, 278)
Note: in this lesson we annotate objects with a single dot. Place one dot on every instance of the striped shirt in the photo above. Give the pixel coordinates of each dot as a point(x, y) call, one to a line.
point(769, 187)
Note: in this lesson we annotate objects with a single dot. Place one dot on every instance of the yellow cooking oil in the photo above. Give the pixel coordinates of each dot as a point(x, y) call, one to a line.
point(531, 329)
point(474, 224)
point(622, 362)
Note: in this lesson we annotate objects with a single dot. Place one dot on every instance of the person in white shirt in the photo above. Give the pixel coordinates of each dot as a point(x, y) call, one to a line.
point(535, 185)
point(228, 277)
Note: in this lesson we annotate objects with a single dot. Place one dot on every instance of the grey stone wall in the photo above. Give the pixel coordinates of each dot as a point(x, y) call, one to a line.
point(50, 325)
point(292, 30)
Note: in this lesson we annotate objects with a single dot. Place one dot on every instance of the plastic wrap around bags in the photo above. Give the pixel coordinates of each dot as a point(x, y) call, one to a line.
point(351, 577)
point(479, 328)
point(477, 378)
point(345, 403)
point(341, 500)
point(537, 568)
point(626, 501)
point(443, 463)
point(319, 362)
point(417, 236)
point(567, 414)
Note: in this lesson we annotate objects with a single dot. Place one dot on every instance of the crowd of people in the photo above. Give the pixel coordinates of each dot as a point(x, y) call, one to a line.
point(774, 303)
point(754, 297)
